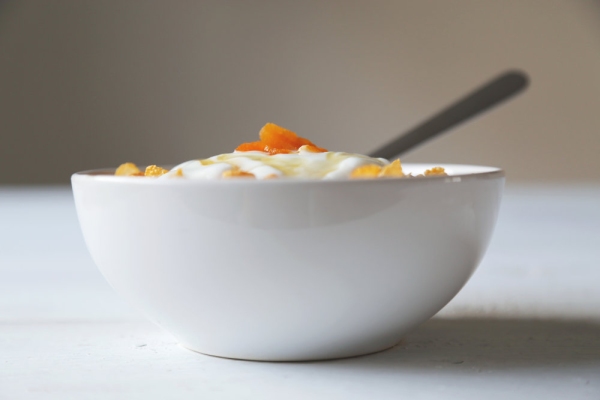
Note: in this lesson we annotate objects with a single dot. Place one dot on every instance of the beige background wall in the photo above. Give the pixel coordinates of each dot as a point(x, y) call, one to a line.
point(88, 84)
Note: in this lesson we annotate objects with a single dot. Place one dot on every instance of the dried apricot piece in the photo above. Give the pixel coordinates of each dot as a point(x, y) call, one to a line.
point(435, 171)
point(393, 169)
point(154, 170)
point(366, 171)
point(251, 146)
point(127, 169)
point(272, 150)
point(278, 137)
point(275, 139)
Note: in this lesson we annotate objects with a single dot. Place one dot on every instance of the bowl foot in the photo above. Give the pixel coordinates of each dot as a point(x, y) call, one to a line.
point(293, 359)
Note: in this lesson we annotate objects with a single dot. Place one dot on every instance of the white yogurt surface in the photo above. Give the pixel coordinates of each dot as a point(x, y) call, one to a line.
point(301, 164)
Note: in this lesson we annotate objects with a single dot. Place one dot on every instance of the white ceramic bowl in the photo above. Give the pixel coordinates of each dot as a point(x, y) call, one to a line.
point(286, 270)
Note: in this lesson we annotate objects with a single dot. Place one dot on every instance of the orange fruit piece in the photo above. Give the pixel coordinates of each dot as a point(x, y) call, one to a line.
point(278, 137)
point(275, 139)
point(251, 146)
point(274, 150)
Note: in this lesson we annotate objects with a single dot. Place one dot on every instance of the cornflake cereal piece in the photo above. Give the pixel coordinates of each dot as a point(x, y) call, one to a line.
point(394, 169)
point(435, 171)
point(128, 169)
point(366, 171)
point(179, 173)
point(237, 173)
point(154, 170)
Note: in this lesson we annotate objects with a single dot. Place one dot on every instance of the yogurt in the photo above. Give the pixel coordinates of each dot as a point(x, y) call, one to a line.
point(302, 164)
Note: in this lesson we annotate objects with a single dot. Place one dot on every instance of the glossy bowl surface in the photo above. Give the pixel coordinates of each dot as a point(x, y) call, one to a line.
point(288, 270)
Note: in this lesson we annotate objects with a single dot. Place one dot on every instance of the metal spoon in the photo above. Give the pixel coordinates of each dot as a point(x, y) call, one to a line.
point(492, 93)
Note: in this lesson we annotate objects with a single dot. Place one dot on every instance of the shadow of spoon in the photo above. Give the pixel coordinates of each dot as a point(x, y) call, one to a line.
point(482, 99)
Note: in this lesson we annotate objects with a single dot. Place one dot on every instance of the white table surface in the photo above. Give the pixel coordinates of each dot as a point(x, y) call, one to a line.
point(526, 326)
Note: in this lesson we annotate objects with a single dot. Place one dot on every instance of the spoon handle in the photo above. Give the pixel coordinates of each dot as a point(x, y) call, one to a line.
point(492, 93)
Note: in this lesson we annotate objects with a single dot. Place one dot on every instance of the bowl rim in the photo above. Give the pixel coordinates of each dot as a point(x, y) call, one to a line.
point(107, 175)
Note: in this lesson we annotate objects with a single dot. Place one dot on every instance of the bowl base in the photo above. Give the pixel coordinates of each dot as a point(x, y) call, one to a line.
point(284, 360)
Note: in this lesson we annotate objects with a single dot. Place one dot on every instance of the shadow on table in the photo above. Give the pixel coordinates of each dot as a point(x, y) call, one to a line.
point(489, 344)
